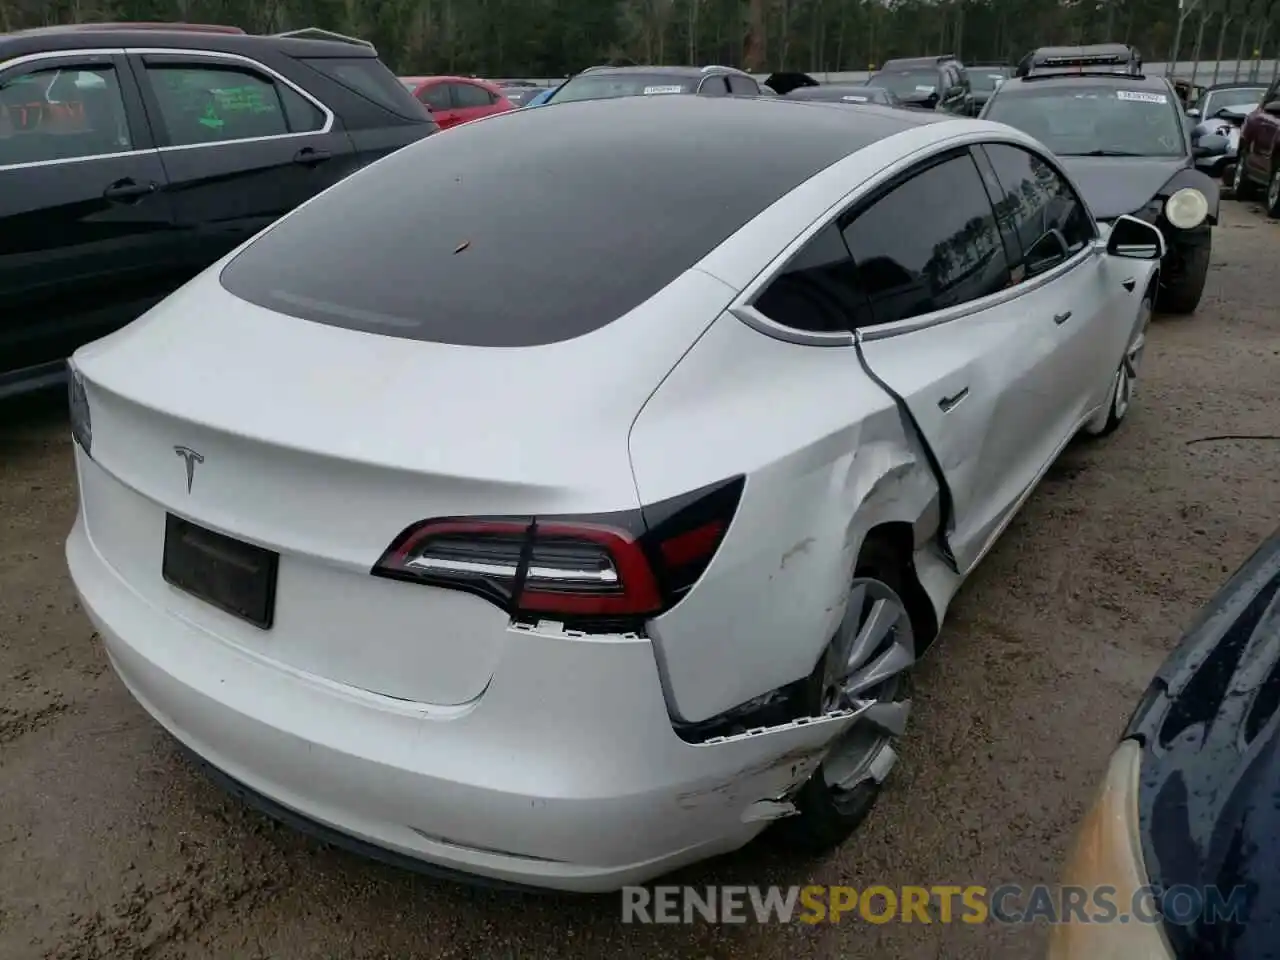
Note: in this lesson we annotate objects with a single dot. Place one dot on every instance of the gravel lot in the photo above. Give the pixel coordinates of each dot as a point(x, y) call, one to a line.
point(111, 846)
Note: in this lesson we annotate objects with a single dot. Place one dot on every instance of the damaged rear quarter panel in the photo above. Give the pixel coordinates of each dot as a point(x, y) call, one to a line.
point(827, 456)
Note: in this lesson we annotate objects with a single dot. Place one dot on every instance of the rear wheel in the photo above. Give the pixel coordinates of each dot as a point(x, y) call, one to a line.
point(865, 668)
point(1273, 193)
point(1241, 185)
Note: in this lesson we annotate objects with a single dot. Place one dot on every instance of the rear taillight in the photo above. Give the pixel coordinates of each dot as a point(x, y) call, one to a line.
point(626, 566)
point(78, 407)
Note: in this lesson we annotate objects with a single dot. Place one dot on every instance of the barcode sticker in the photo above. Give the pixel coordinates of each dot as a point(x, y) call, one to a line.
point(1141, 96)
point(671, 88)
point(854, 99)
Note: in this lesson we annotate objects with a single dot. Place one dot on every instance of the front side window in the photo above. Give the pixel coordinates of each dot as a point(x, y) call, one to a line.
point(605, 86)
point(1038, 210)
point(205, 103)
point(62, 113)
point(911, 264)
point(1083, 120)
point(470, 95)
point(437, 96)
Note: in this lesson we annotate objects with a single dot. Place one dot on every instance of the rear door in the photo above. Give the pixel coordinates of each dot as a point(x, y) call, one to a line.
point(241, 145)
point(970, 353)
point(85, 222)
point(1264, 134)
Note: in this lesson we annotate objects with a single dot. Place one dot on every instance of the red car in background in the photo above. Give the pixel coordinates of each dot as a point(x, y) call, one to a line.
point(1258, 166)
point(455, 100)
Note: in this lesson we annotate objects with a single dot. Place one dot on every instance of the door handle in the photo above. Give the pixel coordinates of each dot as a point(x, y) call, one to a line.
point(128, 189)
point(947, 404)
point(1061, 318)
point(310, 155)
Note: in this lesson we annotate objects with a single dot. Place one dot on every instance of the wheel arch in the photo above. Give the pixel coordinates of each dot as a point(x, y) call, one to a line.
point(896, 541)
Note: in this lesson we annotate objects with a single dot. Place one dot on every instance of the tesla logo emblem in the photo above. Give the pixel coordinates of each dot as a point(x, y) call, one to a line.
point(190, 458)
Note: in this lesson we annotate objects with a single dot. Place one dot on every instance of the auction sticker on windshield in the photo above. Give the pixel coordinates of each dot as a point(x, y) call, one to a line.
point(855, 99)
point(925, 89)
point(1141, 96)
point(670, 88)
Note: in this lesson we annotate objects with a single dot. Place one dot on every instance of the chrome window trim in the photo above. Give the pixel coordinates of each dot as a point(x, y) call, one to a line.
point(233, 58)
point(743, 305)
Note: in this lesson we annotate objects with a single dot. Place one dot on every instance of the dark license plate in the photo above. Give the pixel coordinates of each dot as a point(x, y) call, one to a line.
point(229, 574)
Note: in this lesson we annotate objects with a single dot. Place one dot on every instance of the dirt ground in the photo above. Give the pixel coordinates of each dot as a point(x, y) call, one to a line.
point(111, 846)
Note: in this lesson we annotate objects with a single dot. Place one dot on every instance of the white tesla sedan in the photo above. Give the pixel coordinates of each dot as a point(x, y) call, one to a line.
point(563, 531)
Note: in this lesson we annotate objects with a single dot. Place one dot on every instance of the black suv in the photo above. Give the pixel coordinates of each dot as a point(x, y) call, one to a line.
point(928, 83)
point(132, 156)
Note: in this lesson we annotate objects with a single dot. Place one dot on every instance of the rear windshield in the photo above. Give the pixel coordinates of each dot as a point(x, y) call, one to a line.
point(908, 83)
point(601, 86)
point(451, 240)
point(984, 81)
point(369, 77)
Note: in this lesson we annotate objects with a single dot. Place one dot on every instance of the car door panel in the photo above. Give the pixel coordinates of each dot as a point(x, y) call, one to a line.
point(234, 163)
point(86, 226)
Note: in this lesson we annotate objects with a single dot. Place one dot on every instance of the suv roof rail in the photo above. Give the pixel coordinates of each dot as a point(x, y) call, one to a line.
point(315, 33)
point(151, 25)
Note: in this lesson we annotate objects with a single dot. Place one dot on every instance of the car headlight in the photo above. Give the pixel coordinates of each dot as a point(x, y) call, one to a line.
point(1187, 208)
point(1108, 852)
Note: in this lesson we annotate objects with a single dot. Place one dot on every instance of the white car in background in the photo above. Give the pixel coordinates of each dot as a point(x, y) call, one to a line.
point(600, 533)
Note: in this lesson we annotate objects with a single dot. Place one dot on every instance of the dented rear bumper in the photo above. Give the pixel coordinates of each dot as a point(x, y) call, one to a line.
point(564, 773)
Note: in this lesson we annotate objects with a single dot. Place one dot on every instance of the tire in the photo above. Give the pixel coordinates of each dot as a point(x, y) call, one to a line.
point(828, 814)
point(1124, 381)
point(1272, 202)
point(1182, 295)
point(1241, 186)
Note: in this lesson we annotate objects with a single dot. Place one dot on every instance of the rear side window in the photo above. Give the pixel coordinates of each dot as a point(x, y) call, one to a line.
point(368, 77)
point(450, 241)
point(818, 291)
point(470, 95)
point(210, 103)
point(743, 86)
point(1044, 220)
point(908, 264)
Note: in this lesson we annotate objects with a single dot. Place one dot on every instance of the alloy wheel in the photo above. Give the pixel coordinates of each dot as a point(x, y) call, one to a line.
point(1273, 190)
point(1127, 375)
point(870, 655)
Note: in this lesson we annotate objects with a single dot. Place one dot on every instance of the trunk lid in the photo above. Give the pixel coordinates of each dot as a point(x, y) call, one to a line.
point(323, 444)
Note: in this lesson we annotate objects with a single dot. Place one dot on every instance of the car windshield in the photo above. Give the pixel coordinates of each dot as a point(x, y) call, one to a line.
point(603, 86)
point(984, 81)
point(1237, 100)
point(1080, 120)
point(908, 83)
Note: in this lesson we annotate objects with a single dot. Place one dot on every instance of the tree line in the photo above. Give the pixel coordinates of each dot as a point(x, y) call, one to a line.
point(548, 38)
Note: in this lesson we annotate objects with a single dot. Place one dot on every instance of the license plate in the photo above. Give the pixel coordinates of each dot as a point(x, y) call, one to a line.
point(232, 575)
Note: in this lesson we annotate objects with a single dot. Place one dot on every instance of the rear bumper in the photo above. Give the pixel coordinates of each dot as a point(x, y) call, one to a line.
point(565, 773)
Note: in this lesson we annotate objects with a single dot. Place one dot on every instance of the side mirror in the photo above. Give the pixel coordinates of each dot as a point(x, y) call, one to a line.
point(1210, 145)
point(1135, 239)
point(1193, 112)
point(1272, 107)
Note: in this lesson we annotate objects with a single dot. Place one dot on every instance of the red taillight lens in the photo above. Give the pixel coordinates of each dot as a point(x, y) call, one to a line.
point(611, 566)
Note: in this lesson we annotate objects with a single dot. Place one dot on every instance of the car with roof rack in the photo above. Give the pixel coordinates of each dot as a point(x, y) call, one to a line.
point(1122, 136)
point(606, 81)
point(938, 82)
point(133, 155)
